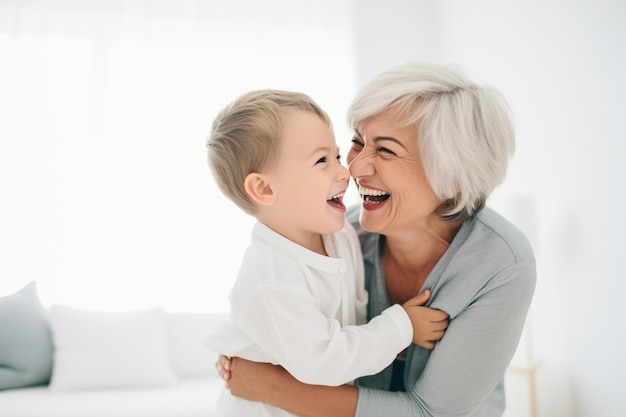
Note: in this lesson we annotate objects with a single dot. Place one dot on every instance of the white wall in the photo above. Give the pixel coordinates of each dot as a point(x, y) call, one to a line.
point(561, 65)
point(106, 199)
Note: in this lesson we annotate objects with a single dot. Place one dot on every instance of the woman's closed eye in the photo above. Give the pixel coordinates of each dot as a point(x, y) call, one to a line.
point(386, 150)
point(356, 144)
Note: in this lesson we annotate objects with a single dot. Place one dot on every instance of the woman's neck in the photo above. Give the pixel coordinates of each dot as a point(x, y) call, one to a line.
point(410, 255)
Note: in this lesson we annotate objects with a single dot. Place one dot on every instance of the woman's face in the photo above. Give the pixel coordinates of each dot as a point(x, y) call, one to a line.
point(385, 163)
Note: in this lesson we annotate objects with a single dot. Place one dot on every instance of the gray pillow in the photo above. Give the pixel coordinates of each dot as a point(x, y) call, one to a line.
point(25, 340)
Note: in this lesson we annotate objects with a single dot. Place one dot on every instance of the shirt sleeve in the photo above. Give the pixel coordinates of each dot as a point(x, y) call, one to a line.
point(287, 324)
point(469, 361)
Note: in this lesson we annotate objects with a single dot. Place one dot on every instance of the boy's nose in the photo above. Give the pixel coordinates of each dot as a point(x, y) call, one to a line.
point(343, 173)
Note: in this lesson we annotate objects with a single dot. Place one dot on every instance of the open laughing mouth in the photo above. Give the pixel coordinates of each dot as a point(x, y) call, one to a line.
point(337, 200)
point(371, 196)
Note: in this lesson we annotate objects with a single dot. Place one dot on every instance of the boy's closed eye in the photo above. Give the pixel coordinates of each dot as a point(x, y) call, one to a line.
point(324, 159)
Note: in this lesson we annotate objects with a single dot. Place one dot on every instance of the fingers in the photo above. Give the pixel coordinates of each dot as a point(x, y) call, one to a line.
point(222, 366)
point(435, 315)
point(419, 300)
point(435, 332)
point(432, 340)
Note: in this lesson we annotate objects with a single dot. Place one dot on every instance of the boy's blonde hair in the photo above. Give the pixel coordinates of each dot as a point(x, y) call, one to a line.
point(245, 138)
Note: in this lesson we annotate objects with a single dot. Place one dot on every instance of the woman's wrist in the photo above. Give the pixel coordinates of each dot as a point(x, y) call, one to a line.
point(276, 386)
point(273, 385)
point(286, 392)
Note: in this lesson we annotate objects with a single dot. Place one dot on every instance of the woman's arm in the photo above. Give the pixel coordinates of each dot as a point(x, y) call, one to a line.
point(461, 372)
point(471, 359)
point(273, 385)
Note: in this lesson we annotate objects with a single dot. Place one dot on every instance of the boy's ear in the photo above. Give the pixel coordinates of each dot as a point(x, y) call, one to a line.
point(259, 189)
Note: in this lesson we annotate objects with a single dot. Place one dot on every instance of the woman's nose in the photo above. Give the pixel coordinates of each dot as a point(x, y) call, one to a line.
point(360, 165)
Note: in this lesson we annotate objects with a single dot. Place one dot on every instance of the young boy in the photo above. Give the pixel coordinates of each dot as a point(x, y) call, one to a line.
point(299, 298)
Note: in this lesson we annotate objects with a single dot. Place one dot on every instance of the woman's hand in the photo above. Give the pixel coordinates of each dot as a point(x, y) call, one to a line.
point(223, 365)
point(250, 380)
point(255, 381)
point(273, 385)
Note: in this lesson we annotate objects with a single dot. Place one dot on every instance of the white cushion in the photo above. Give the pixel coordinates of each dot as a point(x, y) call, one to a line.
point(186, 333)
point(108, 350)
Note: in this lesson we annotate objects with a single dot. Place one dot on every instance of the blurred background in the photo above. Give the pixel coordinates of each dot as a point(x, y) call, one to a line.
point(107, 203)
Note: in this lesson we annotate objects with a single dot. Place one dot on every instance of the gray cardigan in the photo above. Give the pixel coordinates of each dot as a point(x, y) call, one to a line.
point(485, 282)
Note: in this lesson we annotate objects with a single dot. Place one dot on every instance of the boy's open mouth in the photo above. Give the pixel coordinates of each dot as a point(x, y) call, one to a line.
point(336, 200)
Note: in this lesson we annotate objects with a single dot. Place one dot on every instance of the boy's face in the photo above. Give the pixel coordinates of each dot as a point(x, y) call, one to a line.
point(309, 180)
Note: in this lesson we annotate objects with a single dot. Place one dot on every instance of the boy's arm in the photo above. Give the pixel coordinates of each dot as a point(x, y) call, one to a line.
point(287, 325)
point(429, 324)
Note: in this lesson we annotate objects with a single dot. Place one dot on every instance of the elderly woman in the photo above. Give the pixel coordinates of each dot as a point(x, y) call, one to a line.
point(429, 147)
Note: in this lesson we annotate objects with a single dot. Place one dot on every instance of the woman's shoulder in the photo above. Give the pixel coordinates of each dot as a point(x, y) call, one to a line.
point(488, 252)
point(503, 250)
point(493, 240)
point(493, 233)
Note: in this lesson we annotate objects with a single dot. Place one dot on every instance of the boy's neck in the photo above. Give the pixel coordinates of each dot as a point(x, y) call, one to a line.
point(310, 241)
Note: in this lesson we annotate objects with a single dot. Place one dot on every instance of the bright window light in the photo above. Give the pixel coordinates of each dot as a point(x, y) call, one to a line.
point(107, 201)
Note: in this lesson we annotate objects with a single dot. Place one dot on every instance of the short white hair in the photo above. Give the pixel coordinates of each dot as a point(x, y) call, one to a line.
point(464, 131)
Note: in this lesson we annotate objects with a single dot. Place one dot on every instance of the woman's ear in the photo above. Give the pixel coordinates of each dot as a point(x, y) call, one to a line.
point(259, 189)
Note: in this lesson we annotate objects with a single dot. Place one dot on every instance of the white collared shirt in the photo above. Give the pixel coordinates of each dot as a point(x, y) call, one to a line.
point(306, 312)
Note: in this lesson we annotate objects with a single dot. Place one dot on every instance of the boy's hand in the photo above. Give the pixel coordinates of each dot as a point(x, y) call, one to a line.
point(429, 324)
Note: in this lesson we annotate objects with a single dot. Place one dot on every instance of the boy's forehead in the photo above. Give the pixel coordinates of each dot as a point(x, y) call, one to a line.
point(306, 131)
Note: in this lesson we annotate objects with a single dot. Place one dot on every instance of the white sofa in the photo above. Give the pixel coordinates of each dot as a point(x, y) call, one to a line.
point(147, 363)
point(189, 397)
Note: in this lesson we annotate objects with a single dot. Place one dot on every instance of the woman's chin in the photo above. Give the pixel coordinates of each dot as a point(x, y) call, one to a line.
point(370, 222)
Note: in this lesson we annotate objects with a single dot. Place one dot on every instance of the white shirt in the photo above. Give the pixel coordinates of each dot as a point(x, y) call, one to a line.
point(306, 312)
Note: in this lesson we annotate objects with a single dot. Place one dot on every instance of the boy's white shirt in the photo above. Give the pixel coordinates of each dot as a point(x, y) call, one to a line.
point(307, 312)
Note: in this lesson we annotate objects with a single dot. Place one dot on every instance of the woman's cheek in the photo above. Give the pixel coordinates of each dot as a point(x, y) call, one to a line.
point(352, 153)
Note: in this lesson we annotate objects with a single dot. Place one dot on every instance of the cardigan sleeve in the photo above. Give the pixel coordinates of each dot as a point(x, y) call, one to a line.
point(470, 360)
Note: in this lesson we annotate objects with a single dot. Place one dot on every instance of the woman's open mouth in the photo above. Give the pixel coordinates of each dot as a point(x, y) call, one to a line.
point(372, 196)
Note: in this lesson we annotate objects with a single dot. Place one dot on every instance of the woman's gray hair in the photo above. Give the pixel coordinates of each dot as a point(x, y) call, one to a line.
point(465, 131)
